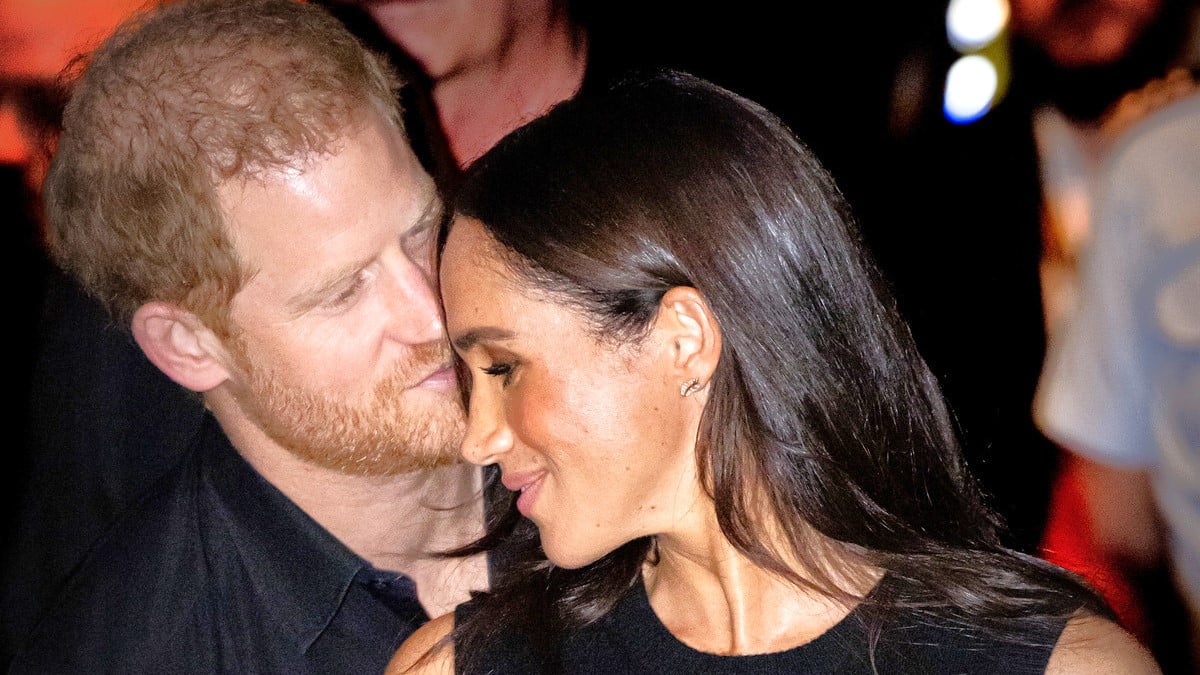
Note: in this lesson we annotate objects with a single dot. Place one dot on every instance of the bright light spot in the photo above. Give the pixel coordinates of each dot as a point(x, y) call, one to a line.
point(970, 88)
point(971, 24)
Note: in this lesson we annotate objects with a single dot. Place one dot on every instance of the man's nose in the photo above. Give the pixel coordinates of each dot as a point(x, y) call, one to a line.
point(413, 303)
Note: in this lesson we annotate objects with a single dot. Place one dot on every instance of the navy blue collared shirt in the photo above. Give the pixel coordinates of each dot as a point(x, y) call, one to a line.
point(216, 571)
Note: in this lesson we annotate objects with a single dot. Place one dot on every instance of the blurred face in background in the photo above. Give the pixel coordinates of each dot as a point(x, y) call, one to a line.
point(1083, 33)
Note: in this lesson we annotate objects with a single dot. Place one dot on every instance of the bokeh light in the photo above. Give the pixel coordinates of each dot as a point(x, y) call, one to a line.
point(971, 24)
point(971, 86)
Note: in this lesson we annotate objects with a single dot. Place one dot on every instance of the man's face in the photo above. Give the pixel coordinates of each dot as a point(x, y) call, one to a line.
point(339, 353)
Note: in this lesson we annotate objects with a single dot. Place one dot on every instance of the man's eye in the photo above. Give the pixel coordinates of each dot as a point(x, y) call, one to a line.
point(349, 293)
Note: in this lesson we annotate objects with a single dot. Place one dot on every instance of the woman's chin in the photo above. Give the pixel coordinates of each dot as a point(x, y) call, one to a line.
point(571, 558)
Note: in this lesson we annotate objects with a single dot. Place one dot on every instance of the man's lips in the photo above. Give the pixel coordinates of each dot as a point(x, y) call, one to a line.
point(442, 378)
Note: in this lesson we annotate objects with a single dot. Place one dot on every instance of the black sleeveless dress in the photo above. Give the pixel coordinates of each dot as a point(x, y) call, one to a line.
point(631, 639)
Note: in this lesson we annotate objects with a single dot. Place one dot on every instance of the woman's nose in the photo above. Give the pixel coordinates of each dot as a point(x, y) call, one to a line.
point(488, 434)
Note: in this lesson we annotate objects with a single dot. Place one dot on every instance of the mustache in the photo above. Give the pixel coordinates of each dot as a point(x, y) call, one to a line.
point(422, 361)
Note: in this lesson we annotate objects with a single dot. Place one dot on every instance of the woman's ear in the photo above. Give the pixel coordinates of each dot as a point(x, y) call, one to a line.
point(695, 337)
point(180, 345)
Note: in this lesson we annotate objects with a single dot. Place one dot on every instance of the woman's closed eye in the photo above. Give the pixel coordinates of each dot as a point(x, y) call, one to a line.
point(500, 369)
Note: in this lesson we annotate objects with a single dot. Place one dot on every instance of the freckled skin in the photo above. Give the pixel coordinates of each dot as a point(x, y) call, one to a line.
point(605, 426)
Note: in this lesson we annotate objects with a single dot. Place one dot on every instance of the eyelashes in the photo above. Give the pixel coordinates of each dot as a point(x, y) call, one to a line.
point(498, 369)
point(504, 370)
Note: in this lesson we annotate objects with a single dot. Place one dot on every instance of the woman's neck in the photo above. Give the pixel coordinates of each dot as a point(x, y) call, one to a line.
point(715, 599)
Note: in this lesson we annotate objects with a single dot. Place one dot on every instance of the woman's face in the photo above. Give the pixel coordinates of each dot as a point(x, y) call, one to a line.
point(595, 437)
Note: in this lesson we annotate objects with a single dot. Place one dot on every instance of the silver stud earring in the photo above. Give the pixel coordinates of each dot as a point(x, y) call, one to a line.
point(690, 387)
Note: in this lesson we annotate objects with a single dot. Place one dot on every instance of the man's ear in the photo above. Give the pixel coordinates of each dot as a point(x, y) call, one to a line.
point(693, 332)
point(179, 343)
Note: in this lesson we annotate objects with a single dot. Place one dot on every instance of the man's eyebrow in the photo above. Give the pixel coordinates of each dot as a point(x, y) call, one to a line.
point(473, 337)
point(326, 286)
point(432, 215)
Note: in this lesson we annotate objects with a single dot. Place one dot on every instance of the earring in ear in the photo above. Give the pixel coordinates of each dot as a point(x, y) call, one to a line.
point(690, 387)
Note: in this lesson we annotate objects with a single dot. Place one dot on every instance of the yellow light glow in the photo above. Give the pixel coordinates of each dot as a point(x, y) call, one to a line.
point(971, 24)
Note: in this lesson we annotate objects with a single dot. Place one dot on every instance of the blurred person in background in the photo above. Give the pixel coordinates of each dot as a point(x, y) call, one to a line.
point(1120, 386)
point(958, 227)
point(491, 65)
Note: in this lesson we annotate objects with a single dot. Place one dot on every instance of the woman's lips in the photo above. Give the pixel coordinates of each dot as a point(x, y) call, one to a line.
point(528, 484)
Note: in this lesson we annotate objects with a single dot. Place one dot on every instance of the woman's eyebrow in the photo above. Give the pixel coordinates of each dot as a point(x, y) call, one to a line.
point(474, 336)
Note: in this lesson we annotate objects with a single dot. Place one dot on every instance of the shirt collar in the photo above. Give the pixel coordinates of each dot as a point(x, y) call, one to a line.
point(289, 557)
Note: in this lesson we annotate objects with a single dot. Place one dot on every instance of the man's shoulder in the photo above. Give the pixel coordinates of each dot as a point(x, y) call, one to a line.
point(141, 587)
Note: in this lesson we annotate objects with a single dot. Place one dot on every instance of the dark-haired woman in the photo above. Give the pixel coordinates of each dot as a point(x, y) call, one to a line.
point(725, 453)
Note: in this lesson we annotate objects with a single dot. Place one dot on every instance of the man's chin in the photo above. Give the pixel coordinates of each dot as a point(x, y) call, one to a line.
point(397, 430)
point(392, 461)
point(424, 435)
point(418, 463)
point(433, 443)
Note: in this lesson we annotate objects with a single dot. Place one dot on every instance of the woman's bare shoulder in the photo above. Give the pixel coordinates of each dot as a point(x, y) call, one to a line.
point(424, 653)
point(1097, 646)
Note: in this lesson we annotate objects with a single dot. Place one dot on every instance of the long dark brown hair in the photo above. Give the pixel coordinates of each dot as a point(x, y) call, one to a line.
point(820, 408)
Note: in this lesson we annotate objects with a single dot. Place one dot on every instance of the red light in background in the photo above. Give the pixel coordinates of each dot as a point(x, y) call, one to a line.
point(37, 39)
